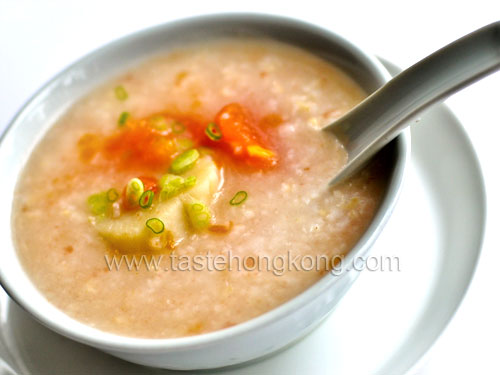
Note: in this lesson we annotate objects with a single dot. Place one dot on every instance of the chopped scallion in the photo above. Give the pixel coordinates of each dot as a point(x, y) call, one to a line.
point(112, 195)
point(213, 131)
point(190, 181)
point(121, 93)
point(98, 204)
point(122, 120)
point(198, 214)
point(146, 199)
point(171, 179)
point(239, 198)
point(134, 191)
point(184, 161)
point(171, 185)
point(156, 225)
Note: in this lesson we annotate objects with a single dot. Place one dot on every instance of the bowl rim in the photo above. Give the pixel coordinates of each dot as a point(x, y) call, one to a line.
point(107, 340)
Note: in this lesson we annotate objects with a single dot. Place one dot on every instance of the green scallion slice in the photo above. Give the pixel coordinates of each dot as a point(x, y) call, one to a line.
point(239, 198)
point(122, 120)
point(171, 185)
point(112, 195)
point(120, 93)
point(156, 225)
point(134, 191)
point(171, 179)
point(178, 127)
point(184, 161)
point(190, 181)
point(98, 204)
point(146, 199)
point(198, 214)
point(213, 131)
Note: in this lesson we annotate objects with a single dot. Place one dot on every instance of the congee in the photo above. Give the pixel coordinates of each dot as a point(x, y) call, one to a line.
point(190, 193)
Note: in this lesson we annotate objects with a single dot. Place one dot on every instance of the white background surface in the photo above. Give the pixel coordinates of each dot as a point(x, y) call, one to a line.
point(38, 39)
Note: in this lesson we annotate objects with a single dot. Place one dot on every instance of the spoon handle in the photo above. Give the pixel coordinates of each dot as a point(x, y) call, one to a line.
point(381, 117)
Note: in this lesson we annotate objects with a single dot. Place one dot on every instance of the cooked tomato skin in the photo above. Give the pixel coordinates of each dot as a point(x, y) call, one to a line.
point(241, 135)
point(143, 143)
point(235, 124)
point(150, 183)
point(140, 145)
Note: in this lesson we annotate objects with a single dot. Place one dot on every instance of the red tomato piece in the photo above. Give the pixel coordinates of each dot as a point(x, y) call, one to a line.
point(242, 136)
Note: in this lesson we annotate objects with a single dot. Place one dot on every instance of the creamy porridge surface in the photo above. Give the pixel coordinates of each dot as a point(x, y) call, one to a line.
point(288, 212)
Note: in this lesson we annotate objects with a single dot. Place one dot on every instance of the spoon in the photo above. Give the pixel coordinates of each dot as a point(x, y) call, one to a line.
point(378, 119)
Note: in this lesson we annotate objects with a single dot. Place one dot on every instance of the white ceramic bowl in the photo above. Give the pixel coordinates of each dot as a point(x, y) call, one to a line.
point(243, 342)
